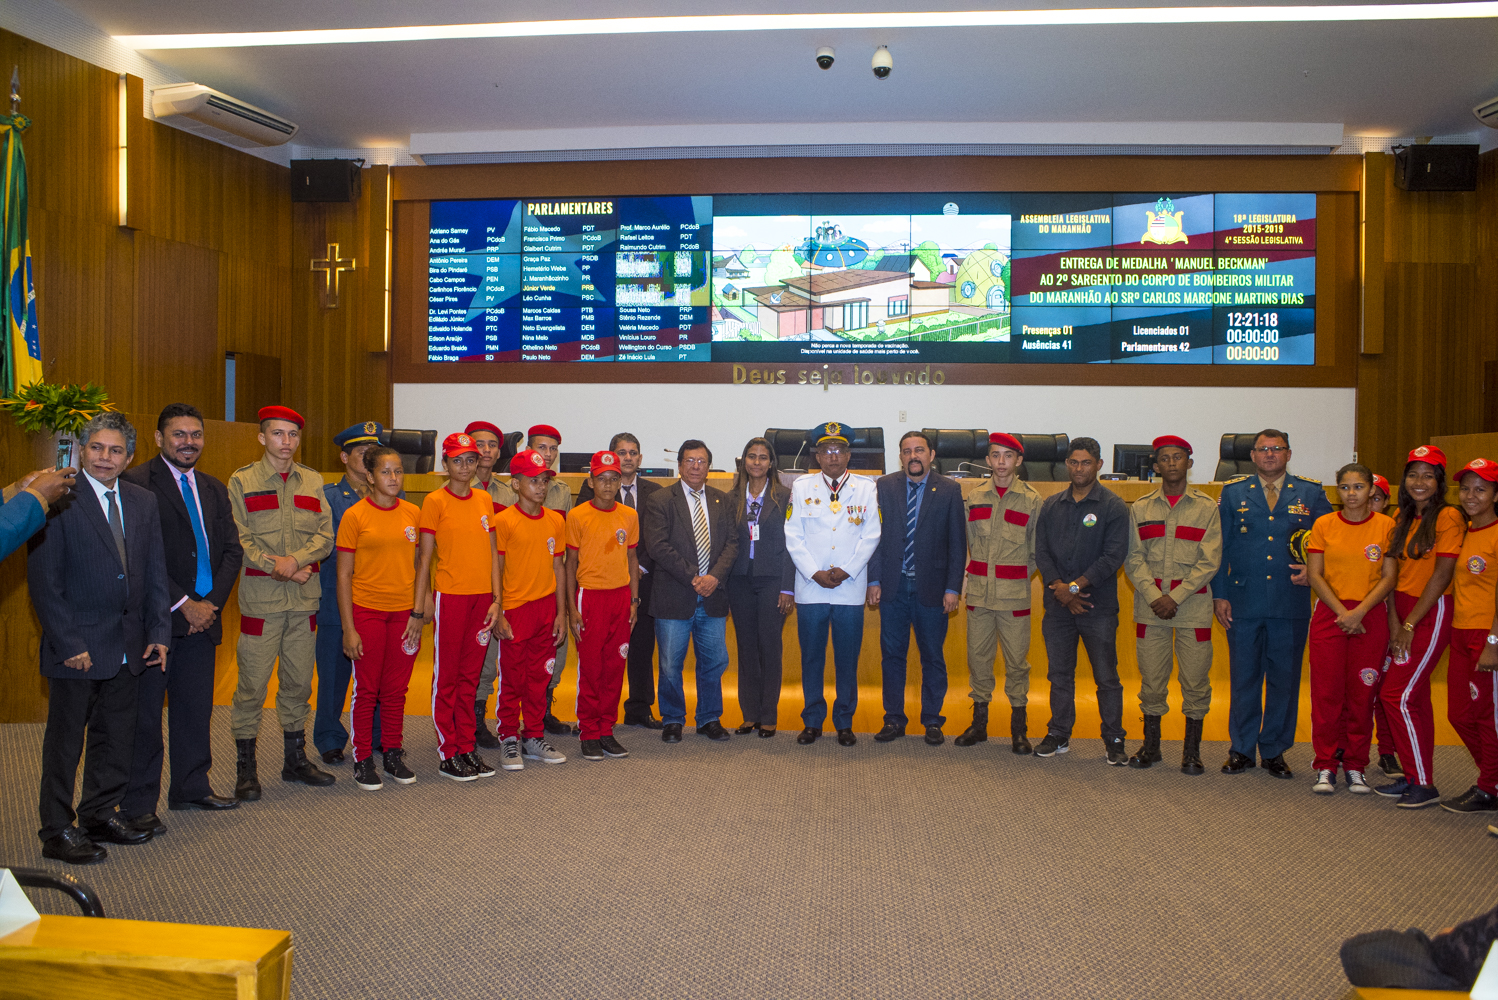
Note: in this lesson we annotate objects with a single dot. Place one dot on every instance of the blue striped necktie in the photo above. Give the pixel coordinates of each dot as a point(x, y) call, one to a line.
point(910, 512)
point(204, 582)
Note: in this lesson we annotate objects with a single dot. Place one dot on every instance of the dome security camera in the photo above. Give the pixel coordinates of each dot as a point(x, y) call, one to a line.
point(883, 63)
point(825, 56)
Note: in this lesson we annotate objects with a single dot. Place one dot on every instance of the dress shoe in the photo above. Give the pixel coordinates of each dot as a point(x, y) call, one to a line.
point(746, 729)
point(73, 847)
point(151, 822)
point(644, 722)
point(115, 830)
point(671, 732)
point(714, 731)
point(1277, 767)
point(333, 756)
point(889, 732)
point(934, 737)
point(845, 738)
point(765, 734)
point(808, 736)
point(210, 802)
point(1237, 763)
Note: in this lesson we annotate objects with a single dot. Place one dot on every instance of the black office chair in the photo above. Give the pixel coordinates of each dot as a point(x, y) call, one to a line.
point(1234, 456)
point(418, 449)
point(959, 452)
point(792, 451)
point(511, 446)
point(37, 878)
point(575, 461)
point(1045, 457)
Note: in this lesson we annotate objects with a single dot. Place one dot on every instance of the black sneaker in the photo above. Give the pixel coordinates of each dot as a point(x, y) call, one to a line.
point(555, 726)
point(1393, 790)
point(592, 750)
point(480, 766)
point(1389, 764)
point(395, 766)
point(612, 747)
point(365, 775)
point(1473, 800)
point(1418, 797)
point(1052, 745)
point(1117, 755)
point(458, 769)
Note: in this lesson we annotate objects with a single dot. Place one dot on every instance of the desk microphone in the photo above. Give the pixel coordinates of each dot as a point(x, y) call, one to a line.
point(798, 456)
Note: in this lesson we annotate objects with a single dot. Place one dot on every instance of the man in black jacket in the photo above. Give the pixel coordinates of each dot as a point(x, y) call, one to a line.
point(202, 563)
point(914, 579)
point(693, 539)
point(98, 583)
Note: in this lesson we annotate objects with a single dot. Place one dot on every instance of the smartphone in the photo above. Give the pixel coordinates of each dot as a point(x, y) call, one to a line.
point(64, 453)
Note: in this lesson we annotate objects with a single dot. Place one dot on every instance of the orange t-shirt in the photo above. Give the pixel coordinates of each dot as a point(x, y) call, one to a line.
point(602, 539)
point(1414, 574)
point(383, 542)
point(461, 527)
point(1352, 553)
point(530, 545)
point(1476, 578)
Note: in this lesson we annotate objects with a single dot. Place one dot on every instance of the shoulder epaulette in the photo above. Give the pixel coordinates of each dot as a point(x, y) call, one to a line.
point(1308, 479)
point(1238, 479)
point(309, 468)
point(244, 468)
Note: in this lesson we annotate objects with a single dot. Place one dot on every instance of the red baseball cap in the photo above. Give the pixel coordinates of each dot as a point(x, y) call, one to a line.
point(544, 430)
point(1483, 467)
point(1381, 484)
point(1006, 441)
point(281, 413)
point(1171, 441)
point(458, 444)
point(1429, 454)
point(484, 425)
point(529, 463)
point(604, 461)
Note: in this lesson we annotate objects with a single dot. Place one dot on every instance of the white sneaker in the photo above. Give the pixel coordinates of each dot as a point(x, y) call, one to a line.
point(1326, 782)
point(1357, 784)
point(536, 748)
point(509, 755)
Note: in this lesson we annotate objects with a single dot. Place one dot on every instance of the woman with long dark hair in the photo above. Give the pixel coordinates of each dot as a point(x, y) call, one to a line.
point(1427, 539)
point(761, 586)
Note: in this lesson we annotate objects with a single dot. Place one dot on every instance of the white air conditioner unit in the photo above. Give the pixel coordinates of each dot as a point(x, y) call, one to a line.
point(1487, 112)
point(208, 113)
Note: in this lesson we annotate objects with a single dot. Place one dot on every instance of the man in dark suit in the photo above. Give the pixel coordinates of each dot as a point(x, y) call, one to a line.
point(914, 581)
point(202, 562)
point(99, 586)
point(693, 539)
point(634, 492)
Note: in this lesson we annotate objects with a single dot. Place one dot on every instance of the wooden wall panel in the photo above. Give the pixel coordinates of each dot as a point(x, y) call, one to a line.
point(177, 357)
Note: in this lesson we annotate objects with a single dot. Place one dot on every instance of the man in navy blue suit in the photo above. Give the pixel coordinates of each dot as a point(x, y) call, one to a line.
point(914, 579)
point(98, 582)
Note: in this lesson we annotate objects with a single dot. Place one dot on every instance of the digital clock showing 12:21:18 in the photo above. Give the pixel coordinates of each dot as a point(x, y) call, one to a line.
point(1264, 337)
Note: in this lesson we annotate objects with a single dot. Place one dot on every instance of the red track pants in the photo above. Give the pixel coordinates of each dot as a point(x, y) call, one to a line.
point(1470, 703)
point(602, 655)
point(1344, 684)
point(526, 663)
point(457, 658)
point(381, 677)
point(1406, 689)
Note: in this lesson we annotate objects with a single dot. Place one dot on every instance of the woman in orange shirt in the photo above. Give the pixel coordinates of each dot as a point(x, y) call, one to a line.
point(1470, 680)
point(376, 597)
point(1351, 570)
point(1427, 539)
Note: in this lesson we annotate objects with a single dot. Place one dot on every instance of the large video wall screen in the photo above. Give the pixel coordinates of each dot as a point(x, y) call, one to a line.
point(985, 278)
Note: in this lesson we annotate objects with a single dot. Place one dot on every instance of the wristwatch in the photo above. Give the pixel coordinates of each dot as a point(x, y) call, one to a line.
point(1072, 588)
point(636, 600)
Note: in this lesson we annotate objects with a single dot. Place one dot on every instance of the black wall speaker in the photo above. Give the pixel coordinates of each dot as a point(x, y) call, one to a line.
point(1436, 168)
point(328, 180)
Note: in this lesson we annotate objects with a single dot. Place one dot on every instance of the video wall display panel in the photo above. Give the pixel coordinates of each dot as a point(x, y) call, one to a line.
point(1162, 277)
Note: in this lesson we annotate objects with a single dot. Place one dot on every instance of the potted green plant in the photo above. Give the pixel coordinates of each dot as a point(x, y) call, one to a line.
point(55, 414)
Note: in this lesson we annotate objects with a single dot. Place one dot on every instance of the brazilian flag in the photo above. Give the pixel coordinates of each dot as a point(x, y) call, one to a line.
point(22, 349)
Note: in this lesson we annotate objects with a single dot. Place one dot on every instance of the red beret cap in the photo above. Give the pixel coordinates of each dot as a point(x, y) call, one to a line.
point(1006, 441)
point(281, 413)
point(544, 430)
point(484, 425)
point(1171, 441)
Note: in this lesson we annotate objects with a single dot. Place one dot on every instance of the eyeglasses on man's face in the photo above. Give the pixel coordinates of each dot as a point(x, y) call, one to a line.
point(1271, 449)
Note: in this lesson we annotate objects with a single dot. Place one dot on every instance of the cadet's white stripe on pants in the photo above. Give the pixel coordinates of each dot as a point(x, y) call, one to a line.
point(1422, 766)
point(437, 669)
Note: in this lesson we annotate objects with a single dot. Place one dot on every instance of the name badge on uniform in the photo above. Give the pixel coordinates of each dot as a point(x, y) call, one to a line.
point(754, 532)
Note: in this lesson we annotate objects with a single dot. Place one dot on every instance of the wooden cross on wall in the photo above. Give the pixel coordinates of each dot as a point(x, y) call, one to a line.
point(330, 266)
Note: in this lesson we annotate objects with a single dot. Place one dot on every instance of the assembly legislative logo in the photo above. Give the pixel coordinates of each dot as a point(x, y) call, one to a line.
point(1165, 224)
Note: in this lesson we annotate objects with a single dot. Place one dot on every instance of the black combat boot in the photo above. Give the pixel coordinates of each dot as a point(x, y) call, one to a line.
point(1149, 753)
point(247, 780)
point(1017, 741)
point(298, 767)
point(481, 734)
point(978, 731)
point(1191, 755)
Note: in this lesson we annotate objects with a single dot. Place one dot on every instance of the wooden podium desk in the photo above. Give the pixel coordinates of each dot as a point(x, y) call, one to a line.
point(1368, 993)
point(63, 958)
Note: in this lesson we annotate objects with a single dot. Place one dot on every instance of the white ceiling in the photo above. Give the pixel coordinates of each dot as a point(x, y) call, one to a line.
point(1378, 78)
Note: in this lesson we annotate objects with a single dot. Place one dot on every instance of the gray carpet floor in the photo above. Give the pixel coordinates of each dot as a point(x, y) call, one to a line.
point(762, 868)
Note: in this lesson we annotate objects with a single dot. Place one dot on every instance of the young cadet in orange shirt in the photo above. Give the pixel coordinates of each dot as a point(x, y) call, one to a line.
point(377, 552)
point(1470, 677)
point(603, 579)
point(456, 526)
point(1427, 539)
point(1388, 761)
point(530, 543)
point(1352, 571)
